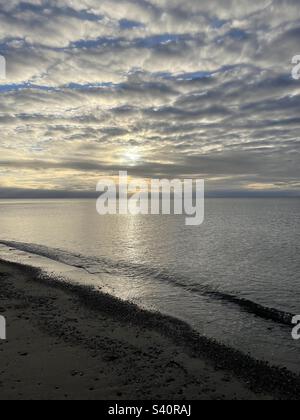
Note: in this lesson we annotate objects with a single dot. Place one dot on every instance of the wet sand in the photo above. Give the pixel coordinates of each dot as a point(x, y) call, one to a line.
point(68, 342)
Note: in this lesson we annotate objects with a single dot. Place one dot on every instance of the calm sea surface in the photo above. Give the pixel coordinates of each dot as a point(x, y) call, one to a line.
point(245, 256)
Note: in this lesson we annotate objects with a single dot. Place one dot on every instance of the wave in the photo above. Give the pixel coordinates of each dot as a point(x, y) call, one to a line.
point(95, 265)
point(257, 309)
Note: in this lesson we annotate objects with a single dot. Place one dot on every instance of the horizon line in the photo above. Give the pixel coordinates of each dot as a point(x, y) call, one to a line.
point(16, 193)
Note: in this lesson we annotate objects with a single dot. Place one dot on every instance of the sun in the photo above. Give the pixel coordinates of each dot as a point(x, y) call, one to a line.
point(132, 157)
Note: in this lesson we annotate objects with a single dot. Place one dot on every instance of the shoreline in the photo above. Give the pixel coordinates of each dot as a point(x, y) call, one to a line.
point(264, 312)
point(160, 357)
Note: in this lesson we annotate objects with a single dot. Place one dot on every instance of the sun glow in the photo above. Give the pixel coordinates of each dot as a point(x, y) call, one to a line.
point(132, 157)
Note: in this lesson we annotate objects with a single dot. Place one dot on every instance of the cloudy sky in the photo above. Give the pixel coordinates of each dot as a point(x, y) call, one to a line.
point(163, 88)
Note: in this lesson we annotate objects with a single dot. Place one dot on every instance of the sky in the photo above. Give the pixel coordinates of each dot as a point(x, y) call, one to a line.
point(163, 89)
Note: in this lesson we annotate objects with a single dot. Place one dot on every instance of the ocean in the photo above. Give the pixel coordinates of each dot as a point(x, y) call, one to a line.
point(234, 279)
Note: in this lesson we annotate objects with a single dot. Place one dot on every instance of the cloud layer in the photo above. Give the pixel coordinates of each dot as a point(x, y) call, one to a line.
point(161, 88)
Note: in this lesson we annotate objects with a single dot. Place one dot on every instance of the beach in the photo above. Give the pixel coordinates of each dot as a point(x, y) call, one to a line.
point(68, 342)
point(149, 201)
point(243, 295)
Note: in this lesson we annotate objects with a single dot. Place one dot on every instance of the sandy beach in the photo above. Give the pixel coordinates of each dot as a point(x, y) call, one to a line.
point(68, 342)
